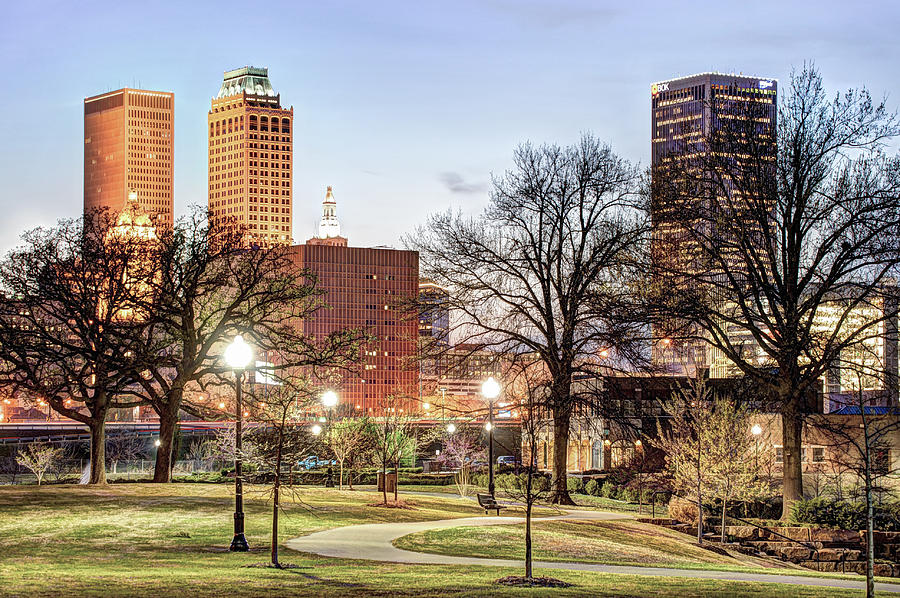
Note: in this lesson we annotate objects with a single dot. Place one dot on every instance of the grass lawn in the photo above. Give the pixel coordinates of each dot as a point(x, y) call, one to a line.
point(619, 542)
point(171, 540)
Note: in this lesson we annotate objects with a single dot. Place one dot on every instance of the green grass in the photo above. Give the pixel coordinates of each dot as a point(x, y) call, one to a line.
point(170, 540)
point(618, 542)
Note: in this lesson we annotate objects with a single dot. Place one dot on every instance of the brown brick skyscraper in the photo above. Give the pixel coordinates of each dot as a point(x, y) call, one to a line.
point(250, 147)
point(129, 147)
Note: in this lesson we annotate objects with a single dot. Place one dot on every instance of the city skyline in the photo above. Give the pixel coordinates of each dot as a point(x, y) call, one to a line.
point(403, 112)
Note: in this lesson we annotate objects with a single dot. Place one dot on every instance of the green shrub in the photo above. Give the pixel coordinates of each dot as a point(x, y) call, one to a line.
point(608, 490)
point(628, 494)
point(592, 488)
point(575, 485)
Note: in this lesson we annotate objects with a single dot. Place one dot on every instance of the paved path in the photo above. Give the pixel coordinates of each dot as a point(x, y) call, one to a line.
point(373, 542)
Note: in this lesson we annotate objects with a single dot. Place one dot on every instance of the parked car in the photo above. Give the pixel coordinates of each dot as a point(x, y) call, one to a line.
point(314, 462)
point(508, 461)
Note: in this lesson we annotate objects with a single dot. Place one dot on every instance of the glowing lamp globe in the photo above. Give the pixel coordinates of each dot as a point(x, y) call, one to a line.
point(316, 430)
point(490, 389)
point(451, 428)
point(330, 399)
point(756, 429)
point(238, 354)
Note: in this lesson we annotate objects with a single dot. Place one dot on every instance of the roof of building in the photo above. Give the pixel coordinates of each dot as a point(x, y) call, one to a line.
point(870, 410)
point(253, 80)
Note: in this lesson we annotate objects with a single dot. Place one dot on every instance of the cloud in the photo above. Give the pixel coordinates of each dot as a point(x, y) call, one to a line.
point(457, 184)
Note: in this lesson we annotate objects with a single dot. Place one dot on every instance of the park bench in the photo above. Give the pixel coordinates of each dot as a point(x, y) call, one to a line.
point(488, 503)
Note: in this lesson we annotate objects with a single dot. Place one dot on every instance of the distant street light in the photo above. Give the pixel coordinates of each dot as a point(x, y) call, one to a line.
point(451, 428)
point(238, 356)
point(157, 442)
point(329, 399)
point(316, 430)
point(756, 430)
point(491, 390)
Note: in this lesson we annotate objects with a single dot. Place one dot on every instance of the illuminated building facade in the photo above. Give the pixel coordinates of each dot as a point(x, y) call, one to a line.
point(370, 288)
point(129, 148)
point(684, 112)
point(434, 313)
point(250, 158)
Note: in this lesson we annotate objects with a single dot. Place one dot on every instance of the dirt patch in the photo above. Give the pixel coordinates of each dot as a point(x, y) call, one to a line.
point(519, 581)
point(400, 504)
point(271, 566)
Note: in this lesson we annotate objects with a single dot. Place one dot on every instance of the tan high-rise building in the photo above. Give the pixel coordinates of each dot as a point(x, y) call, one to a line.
point(129, 148)
point(250, 148)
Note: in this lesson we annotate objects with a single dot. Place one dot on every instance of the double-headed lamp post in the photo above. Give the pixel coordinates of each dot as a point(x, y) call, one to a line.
point(490, 389)
point(238, 356)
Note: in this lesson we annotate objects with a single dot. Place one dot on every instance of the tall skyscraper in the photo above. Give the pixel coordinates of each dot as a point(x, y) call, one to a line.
point(250, 165)
point(685, 112)
point(129, 148)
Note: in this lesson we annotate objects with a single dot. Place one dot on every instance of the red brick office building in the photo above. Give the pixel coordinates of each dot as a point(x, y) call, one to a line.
point(366, 286)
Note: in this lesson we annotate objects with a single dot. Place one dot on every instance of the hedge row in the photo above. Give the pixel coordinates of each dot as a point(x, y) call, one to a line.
point(845, 514)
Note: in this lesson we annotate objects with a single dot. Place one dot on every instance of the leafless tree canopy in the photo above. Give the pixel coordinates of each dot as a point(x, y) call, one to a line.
point(547, 268)
point(777, 236)
point(72, 332)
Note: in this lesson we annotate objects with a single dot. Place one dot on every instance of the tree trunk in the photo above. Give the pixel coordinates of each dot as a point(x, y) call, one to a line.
point(341, 474)
point(396, 479)
point(98, 450)
point(528, 503)
point(168, 422)
point(792, 438)
point(724, 506)
point(870, 520)
point(561, 422)
point(384, 480)
point(275, 496)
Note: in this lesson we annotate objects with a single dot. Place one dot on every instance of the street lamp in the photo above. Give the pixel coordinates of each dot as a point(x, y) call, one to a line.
point(238, 356)
point(491, 390)
point(756, 430)
point(451, 428)
point(316, 430)
point(329, 400)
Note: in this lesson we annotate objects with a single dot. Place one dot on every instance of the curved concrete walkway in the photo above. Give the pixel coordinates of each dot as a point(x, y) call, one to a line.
point(373, 542)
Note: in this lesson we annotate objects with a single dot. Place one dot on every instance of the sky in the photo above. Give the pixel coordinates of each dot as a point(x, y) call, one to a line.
point(405, 108)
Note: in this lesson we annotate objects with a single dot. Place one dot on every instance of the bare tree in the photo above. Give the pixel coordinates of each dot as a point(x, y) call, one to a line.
point(546, 268)
point(210, 288)
point(858, 437)
point(393, 437)
point(460, 451)
point(72, 330)
point(792, 239)
point(277, 439)
point(38, 458)
point(124, 446)
point(529, 487)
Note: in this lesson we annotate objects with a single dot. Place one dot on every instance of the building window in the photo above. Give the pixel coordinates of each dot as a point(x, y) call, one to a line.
point(818, 454)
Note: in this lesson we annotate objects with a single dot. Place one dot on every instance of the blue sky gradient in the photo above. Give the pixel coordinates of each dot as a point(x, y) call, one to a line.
point(405, 108)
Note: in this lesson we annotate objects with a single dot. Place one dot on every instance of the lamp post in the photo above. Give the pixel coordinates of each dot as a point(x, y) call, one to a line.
point(491, 390)
point(329, 400)
point(756, 430)
point(238, 356)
